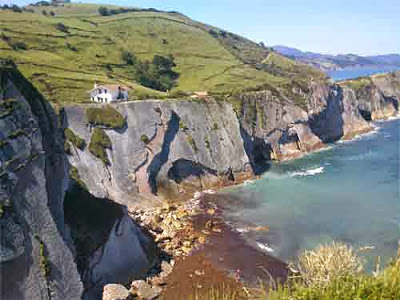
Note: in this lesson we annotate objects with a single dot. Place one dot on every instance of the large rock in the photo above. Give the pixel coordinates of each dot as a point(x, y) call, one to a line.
point(115, 292)
point(36, 258)
point(191, 144)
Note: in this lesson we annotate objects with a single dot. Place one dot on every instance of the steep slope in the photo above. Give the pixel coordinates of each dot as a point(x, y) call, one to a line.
point(35, 252)
point(38, 199)
point(190, 146)
point(64, 62)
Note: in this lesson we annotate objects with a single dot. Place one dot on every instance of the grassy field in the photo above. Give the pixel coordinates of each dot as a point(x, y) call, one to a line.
point(64, 65)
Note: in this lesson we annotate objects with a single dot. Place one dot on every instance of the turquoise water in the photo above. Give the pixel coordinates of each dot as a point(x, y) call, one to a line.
point(359, 72)
point(348, 193)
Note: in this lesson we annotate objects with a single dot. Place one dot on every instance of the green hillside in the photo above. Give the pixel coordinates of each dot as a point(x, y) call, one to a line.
point(64, 61)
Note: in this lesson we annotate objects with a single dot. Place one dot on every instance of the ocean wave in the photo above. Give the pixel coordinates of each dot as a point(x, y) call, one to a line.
point(309, 172)
point(363, 136)
point(265, 247)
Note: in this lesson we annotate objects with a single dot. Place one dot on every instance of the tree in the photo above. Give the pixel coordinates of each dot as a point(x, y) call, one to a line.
point(44, 12)
point(128, 58)
point(16, 8)
point(52, 13)
point(103, 11)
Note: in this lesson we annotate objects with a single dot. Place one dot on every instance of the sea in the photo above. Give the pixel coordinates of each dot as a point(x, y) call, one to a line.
point(338, 75)
point(347, 193)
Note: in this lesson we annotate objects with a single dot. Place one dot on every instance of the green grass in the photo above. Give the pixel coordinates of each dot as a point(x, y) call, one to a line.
point(44, 263)
point(16, 134)
point(64, 65)
point(106, 116)
point(99, 142)
point(386, 285)
point(145, 139)
point(74, 139)
point(358, 84)
point(192, 143)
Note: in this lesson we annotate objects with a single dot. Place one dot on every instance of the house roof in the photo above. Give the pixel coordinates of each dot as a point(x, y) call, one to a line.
point(110, 87)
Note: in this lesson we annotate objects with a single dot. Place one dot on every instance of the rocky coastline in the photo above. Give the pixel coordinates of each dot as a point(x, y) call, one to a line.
point(193, 231)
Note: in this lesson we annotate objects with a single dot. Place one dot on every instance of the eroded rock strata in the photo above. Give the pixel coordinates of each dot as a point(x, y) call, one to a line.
point(195, 145)
point(36, 252)
point(167, 150)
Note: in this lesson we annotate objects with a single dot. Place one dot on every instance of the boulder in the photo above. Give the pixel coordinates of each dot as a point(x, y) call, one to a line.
point(115, 292)
point(148, 292)
point(166, 267)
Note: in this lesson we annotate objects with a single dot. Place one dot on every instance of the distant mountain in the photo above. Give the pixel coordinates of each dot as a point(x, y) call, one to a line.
point(340, 61)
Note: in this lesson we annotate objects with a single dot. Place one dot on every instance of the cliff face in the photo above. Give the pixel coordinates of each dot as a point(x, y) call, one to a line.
point(333, 112)
point(194, 145)
point(191, 146)
point(35, 254)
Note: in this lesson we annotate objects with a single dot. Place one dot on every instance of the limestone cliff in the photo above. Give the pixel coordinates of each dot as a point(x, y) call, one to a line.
point(330, 112)
point(192, 145)
point(36, 260)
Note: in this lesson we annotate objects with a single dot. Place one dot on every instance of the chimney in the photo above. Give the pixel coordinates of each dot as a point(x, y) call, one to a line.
point(95, 85)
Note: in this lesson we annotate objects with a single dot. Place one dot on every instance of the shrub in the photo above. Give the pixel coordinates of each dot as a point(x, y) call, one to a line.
point(128, 58)
point(52, 13)
point(327, 262)
point(3, 143)
point(99, 142)
point(103, 11)
point(43, 260)
point(183, 126)
point(16, 8)
point(213, 33)
point(71, 47)
point(107, 116)
point(18, 46)
point(74, 139)
point(44, 13)
point(74, 175)
point(16, 134)
point(157, 74)
point(192, 143)
point(145, 139)
point(61, 27)
point(4, 37)
point(385, 285)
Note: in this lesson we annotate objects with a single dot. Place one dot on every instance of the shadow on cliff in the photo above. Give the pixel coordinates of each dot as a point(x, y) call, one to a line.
point(184, 168)
point(92, 221)
point(257, 150)
point(328, 124)
point(392, 100)
point(162, 157)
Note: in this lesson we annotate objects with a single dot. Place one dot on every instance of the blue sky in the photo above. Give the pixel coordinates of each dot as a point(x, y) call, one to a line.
point(364, 27)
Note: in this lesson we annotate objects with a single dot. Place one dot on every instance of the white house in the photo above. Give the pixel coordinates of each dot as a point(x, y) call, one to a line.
point(108, 93)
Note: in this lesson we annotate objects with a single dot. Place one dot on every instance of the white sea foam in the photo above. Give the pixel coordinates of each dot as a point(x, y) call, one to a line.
point(309, 172)
point(265, 247)
point(247, 182)
point(243, 230)
point(210, 192)
point(394, 117)
point(363, 136)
